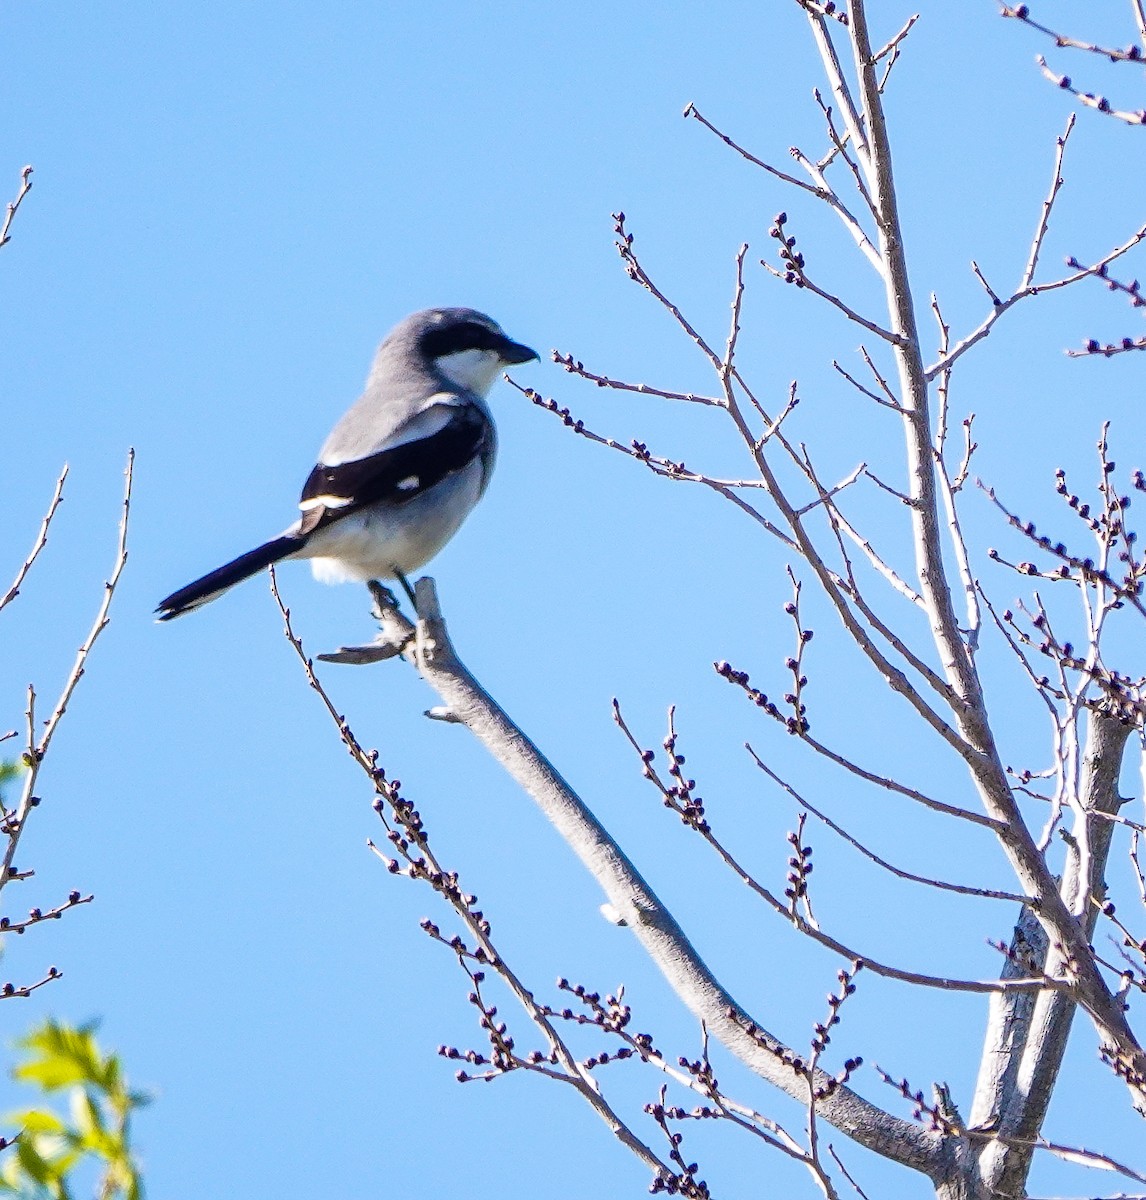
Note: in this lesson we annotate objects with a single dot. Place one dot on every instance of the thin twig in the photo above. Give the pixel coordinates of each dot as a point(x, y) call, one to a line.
point(1001, 306)
point(839, 148)
point(899, 872)
point(37, 746)
point(797, 274)
point(1091, 99)
point(690, 110)
point(810, 930)
point(14, 205)
point(1034, 289)
point(41, 540)
point(892, 404)
point(575, 367)
point(1021, 12)
point(13, 991)
point(1048, 205)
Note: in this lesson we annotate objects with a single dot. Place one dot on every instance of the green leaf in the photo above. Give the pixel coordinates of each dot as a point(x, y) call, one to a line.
point(86, 1114)
point(35, 1120)
point(50, 1148)
point(35, 1165)
point(62, 1056)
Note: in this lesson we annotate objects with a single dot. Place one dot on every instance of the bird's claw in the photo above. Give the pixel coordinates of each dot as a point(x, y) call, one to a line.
point(357, 656)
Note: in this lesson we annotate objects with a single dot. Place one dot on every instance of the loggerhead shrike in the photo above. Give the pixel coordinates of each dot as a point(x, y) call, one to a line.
point(400, 472)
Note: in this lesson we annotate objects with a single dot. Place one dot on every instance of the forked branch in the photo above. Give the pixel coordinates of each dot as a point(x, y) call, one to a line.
point(636, 905)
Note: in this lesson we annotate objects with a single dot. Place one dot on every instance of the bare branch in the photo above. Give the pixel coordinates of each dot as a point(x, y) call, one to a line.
point(1133, 292)
point(884, 386)
point(892, 404)
point(883, 486)
point(1091, 99)
point(1109, 349)
point(898, 872)
point(638, 274)
point(949, 488)
point(794, 272)
point(835, 588)
point(41, 539)
point(827, 495)
point(892, 47)
point(37, 746)
point(1021, 12)
point(849, 220)
point(1014, 1103)
point(1085, 1158)
point(574, 367)
point(988, 323)
point(693, 815)
point(632, 898)
point(820, 193)
point(38, 915)
point(422, 863)
point(891, 52)
point(734, 327)
point(21, 991)
point(839, 85)
point(1048, 206)
point(840, 148)
point(99, 625)
point(992, 295)
point(846, 1173)
point(13, 207)
point(958, 666)
point(663, 467)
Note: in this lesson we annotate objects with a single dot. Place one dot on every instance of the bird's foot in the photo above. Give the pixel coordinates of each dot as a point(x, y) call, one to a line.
point(395, 632)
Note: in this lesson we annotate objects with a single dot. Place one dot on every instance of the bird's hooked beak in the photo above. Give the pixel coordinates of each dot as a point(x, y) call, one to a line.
point(515, 352)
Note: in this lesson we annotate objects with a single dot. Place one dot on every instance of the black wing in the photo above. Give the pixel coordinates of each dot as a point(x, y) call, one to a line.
point(397, 474)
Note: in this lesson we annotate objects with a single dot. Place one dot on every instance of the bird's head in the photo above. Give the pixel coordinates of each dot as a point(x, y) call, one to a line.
point(466, 346)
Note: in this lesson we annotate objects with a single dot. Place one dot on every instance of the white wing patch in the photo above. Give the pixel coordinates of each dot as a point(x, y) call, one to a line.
point(410, 484)
point(326, 502)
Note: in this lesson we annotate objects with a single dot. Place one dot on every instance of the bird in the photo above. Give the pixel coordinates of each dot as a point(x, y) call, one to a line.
point(402, 468)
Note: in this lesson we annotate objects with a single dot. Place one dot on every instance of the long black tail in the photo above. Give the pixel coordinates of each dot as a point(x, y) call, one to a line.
point(204, 590)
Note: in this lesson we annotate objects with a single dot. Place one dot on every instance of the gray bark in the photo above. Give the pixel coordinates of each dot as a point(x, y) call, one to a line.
point(1027, 1035)
point(467, 703)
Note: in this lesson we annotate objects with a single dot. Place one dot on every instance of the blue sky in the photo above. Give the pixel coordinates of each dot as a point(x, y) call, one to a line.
point(232, 204)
